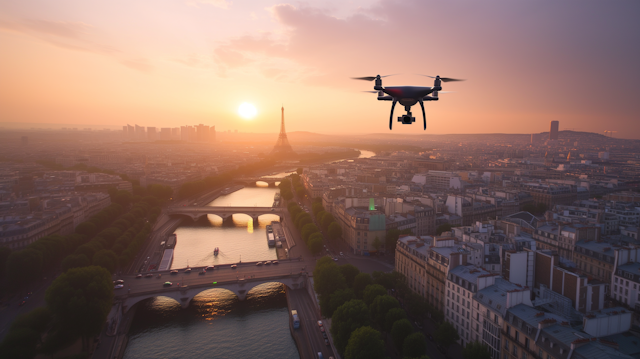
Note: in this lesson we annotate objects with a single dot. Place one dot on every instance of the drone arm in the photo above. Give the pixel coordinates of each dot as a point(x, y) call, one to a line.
point(393, 105)
point(385, 98)
point(424, 117)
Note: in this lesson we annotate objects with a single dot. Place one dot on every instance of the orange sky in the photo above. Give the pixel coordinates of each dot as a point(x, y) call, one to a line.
point(168, 63)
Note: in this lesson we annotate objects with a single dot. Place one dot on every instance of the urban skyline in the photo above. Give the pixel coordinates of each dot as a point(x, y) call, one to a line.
point(520, 75)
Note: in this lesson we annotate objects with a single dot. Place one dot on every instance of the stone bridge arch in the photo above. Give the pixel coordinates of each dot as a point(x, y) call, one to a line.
point(240, 288)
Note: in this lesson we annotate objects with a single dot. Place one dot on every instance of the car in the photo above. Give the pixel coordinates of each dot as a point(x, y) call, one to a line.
point(148, 275)
point(274, 262)
point(175, 271)
point(22, 303)
point(322, 329)
point(341, 253)
point(273, 209)
point(267, 262)
point(320, 323)
point(233, 266)
point(259, 263)
point(335, 259)
point(209, 268)
point(139, 276)
point(118, 286)
point(188, 270)
point(167, 284)
point(326, 342)
point(324, 335)
point(119, 281)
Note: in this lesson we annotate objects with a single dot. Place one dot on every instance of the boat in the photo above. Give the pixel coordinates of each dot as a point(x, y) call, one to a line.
point(216, 251)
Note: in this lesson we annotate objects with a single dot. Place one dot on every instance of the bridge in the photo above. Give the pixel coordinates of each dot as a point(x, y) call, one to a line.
point(252, 181)
point(195, 212)
point(239, 280)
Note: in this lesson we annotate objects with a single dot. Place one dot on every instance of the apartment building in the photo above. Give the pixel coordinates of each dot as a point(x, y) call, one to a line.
point(595, 259)
point(626, 277)
point(563, 237)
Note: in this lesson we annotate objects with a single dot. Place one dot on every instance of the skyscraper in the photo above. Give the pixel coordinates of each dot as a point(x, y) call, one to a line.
point(553, 130)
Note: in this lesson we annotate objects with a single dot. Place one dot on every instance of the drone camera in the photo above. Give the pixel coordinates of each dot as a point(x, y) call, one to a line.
point(406, 119)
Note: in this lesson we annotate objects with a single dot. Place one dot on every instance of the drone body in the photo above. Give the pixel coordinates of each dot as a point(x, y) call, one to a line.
point(407, 96)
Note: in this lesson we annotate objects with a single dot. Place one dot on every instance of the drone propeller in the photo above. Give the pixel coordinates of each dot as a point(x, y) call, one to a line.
point(370, 78)
point(444, 79)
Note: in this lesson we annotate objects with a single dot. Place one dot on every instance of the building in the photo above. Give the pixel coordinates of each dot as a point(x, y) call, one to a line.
point(562, 238)
point(151, 134)
point(553, 130)
point(626, 277)
point(363, 229)
point(462, 283)
point(595, 259)
point(411, 260)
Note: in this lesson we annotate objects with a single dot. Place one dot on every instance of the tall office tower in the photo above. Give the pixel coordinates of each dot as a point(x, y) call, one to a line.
point(124, 131)
point(212, 133)
point(140, 132)
point(175, 134)
point(165, 134)
point(131, 131)
point(203, 133)
point(184, 133)
point(192, 134)
point(151, 133)
point(553, 130)
point(24, 140)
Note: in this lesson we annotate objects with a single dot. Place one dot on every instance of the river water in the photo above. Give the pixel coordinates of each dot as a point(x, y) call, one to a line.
point(216, 324)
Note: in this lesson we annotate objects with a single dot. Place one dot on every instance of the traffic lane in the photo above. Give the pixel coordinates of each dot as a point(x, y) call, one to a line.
point(309, 317)
point(223, 274)
point(303, 333)
point(14, 309)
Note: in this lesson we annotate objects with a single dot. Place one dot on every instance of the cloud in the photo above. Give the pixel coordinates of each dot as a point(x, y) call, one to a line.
point(75, 36)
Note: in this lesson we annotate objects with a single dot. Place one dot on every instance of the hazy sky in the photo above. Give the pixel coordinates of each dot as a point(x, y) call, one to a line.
point(168, 63)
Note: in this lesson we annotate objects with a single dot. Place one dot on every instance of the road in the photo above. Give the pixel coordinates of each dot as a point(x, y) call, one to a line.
point(308, 335)
point(221, 273)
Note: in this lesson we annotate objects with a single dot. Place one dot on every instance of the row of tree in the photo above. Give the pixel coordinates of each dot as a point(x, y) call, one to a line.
point(208, 183)
point(311, 234)
point(361, 308)
point(78, 303)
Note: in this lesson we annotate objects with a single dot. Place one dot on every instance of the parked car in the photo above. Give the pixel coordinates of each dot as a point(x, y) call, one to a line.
point(326, 342)
point(119, 281)
point(148, 275)
point(259, 263)
point(233, 266)
point(274, 262)
point(320, 323)
point(167, 284)
point(210, 268)
point(118, 286)
point(175, 271)
point(139, 276)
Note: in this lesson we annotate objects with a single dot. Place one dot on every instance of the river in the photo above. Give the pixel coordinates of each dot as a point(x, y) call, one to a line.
point(216, 324)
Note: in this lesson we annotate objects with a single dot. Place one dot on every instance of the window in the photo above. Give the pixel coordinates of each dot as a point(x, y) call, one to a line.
point(517, 336)
point(506, 345)
point(526, 343)
point(508, 330)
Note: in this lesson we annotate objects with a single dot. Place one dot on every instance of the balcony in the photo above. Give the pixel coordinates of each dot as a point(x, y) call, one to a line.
point(520, 345)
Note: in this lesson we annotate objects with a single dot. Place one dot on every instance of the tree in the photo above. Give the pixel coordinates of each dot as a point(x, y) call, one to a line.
point(303, 216)
point(476, 350)
point(123, 198)
point(106, 259)
point(338, 298)
point(365, 343)
point(327, 279)
point(4, 256)
point(75, 261)
point(300, 191)
point(299, 170)
point(335, 231)
point(381, 306)
point(371, 292)
point(391, 238)
point(87, 229)
point(320, 215)
point(327, 219)
point(360, 282)
point(349, 271)
point(315, 244)
point(400, 330)
point(377, 244)
point(80, 300)
point(317, 208)
point(308, 230)
point(414, 345)
point(393, 315)
point(347, 318)
point(446, 335)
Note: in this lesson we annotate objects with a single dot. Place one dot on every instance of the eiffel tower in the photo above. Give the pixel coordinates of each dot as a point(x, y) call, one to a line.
point(282, 147)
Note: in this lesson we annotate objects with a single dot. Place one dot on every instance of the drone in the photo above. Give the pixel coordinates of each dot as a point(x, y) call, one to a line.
point(407, 96)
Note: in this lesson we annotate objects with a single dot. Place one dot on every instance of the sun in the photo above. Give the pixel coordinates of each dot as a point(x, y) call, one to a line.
point(247, 110)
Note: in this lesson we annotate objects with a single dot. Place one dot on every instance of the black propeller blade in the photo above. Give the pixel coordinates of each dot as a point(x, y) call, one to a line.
point(370, 78)
point(444, 79)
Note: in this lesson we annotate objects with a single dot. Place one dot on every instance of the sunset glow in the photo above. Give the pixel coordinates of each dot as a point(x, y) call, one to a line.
point(247, 111)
